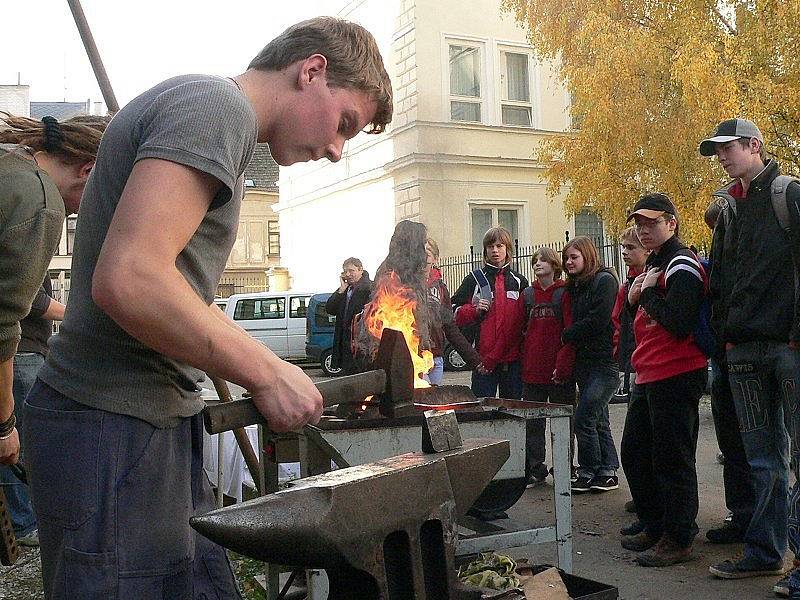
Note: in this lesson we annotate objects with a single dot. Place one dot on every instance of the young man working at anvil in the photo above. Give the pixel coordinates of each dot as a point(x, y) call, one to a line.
point(115, 440)
point(755, 316)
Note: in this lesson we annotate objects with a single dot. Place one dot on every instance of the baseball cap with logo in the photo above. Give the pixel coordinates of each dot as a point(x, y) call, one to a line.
point(727, 131)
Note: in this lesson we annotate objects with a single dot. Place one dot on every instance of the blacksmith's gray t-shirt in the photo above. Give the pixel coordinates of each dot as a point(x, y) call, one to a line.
point(200, 121)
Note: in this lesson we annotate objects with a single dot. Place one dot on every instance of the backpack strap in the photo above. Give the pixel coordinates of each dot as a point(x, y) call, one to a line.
point(779, 202)
point(558, 294)
point(728, 203)
point(483, 284)
point(527, 293)
point(780, 205)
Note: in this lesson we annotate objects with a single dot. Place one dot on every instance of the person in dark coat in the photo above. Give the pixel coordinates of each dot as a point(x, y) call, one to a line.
point(344, 304)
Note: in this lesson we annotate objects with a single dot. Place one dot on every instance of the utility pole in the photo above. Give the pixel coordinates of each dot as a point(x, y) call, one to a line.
point(94, 55)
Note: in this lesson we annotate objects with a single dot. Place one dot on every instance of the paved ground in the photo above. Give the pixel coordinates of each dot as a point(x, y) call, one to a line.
point(597, 519)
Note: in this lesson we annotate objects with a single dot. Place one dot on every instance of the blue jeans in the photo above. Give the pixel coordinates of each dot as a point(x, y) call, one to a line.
point(507, 377)
point(764, 383)
point(26, 366)
point(597, 455)
point(113, 496)
point(436, 375)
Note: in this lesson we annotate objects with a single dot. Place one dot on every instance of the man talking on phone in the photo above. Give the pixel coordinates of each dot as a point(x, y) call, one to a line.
point(346, 302)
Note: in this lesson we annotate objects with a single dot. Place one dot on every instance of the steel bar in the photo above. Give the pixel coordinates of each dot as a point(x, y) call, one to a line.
point(94, 55)
point(250, 458)
point(240, 413)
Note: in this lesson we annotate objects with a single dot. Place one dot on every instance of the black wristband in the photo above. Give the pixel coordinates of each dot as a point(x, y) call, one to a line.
point(8, 426)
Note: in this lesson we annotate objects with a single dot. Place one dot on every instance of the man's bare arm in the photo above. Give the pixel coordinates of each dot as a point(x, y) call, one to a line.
point(55, 311)
point(9, 447)
point(137, 283)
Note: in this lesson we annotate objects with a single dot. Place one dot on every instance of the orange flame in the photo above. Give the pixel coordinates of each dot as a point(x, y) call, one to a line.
point(393, 306)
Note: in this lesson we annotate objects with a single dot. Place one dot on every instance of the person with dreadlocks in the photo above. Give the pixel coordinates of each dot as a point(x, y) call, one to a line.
point(44, 166)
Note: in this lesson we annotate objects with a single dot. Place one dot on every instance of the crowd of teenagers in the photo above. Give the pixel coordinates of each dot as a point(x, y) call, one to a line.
point(566, 340)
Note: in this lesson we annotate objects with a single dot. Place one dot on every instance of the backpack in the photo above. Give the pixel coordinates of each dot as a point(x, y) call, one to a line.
point(780, 206)
point(558, 293)
point(780, 203)
point(703, 334)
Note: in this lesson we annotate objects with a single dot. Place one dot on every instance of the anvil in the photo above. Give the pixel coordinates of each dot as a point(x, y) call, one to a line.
point(382, 531)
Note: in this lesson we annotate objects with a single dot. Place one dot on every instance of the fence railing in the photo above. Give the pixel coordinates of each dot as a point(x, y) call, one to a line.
point(456, 268)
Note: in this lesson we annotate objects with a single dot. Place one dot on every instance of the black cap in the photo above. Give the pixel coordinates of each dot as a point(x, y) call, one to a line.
point(727, 131)
point(653, 206)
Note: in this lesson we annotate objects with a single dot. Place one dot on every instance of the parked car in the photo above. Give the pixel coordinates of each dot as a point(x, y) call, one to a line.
point(319, 334)
point(276, 319)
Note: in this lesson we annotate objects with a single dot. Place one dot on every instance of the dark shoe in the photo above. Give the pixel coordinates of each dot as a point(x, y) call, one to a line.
point(728, 533)
point(634, 528)
point(728, 569)
point(573, 476)
point(665, 553)
point(639, 542)
point(581, 485)
point(781, 588)
point(604, 483)
point(720, 458)
point(537, 475)
point(630, 506)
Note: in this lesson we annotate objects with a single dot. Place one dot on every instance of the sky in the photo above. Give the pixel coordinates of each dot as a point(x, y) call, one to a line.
point(141, 42)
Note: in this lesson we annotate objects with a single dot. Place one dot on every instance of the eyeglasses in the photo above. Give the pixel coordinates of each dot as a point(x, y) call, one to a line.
point(648, 224)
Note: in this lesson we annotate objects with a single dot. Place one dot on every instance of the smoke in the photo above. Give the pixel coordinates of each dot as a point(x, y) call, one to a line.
point(406, 259)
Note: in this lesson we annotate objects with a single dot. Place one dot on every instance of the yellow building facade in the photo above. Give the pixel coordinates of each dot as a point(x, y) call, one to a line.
point(472, 102)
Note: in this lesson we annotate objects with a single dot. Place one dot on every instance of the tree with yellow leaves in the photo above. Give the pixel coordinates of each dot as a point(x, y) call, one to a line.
point(649, 79)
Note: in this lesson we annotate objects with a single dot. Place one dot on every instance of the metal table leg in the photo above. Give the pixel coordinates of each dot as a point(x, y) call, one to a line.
point(562, 489)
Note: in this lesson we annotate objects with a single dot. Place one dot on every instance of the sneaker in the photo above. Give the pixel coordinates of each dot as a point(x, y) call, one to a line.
point(638, 543)
point(728, 533)
point(581, 485)
point(728, 569)
point(720, 458)
point(538, 475)
point(604, 483)
point(634, 528)
point(630, 506)
point(665, 553)
point(781, 588)
point(31, 540)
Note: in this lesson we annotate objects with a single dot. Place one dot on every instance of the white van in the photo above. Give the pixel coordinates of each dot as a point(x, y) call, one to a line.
point(276, 319)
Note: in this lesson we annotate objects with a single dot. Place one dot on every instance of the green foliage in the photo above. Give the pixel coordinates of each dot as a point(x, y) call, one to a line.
point(649, 79)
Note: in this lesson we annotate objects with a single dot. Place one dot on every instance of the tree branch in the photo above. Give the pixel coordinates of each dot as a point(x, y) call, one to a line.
point(731, 29)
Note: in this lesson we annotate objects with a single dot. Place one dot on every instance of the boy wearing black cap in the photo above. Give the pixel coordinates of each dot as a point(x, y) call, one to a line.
point(660, 438)
point(755, 317)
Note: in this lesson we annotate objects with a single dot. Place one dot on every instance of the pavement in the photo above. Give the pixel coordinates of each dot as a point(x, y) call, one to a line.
point(597, 519)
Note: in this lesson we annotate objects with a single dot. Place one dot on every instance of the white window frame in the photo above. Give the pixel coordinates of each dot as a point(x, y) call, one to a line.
point(520, 206)
point(486, 88)
point(533, 84)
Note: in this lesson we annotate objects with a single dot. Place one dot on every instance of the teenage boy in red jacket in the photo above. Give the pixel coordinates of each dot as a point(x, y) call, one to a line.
point(499, 319)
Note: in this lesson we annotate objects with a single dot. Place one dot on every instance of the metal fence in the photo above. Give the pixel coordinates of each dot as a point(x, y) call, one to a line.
point(456, 268)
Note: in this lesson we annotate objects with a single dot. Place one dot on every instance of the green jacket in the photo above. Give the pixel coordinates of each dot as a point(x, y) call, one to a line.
point(31, 218)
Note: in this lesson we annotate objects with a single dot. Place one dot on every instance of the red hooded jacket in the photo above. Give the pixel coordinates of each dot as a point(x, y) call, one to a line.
point(542, 350)
point(500, 335)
